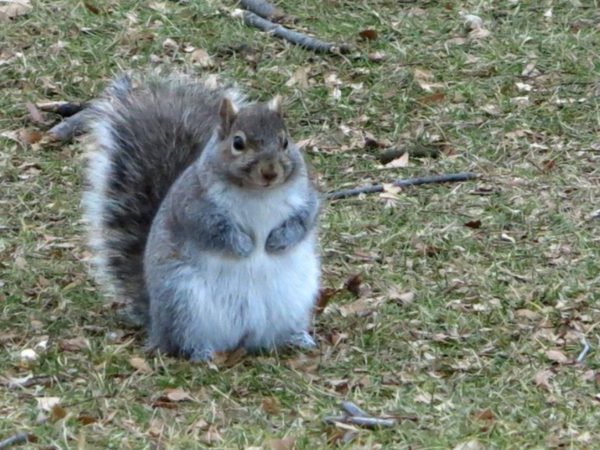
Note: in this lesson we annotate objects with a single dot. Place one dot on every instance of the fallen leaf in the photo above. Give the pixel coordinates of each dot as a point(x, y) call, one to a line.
point(271, 405)
point(377, 57)
point(35, 114)
point(557, 356)
point(175, 395)
point(369, 34)
point(354, 284)
point(86, 419)
point(401, 161)
point(92, 8)
point(486, 415)
point(211, 436)
point(325, 295)
point(436, 97)
point(57, 412)
point(287, 443)
point(404, 298)
point(473, 224)
point(47, 403)
point(299, 77)
point(201, 58)
point(228, 359)
point(74, 345)
point(473, 444)
point(12, 9)
point(140, 364)
point(542, 379)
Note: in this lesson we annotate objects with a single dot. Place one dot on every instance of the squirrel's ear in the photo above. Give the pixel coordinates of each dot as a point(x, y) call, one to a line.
point(227, 112)
point(275, 104)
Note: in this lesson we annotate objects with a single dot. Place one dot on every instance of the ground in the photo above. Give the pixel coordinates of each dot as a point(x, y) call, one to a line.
point(474, 300)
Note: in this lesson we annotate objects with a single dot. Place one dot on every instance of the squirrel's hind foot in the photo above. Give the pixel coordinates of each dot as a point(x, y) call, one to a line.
point(302, 340)
point(201, 355)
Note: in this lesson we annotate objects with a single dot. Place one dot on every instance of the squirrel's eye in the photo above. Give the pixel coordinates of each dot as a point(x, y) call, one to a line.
point(285, 143)
point(238, 143)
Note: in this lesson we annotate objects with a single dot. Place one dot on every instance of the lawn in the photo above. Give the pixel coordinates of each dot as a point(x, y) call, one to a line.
point(460, 309)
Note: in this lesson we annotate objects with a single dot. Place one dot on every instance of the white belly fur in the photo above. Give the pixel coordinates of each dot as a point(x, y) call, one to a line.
point(262, 299)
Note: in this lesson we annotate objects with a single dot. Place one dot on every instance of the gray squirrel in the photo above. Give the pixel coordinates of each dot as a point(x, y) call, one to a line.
point(201, 214)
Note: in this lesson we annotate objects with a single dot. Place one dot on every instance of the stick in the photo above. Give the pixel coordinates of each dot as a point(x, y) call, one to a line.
point(294, 37)
point(365, 422)
point(353, 410)
point(453, 177)
point(263, 9)
point(15, 439)
point(585, 351)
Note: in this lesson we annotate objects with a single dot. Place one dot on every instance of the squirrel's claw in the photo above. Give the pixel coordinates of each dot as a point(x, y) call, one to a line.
point(302, 340)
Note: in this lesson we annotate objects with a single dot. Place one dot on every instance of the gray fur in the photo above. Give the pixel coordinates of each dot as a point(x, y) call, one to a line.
point(209, 257)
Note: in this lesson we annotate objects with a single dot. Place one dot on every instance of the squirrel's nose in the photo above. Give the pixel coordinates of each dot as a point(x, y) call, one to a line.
point(268, 174)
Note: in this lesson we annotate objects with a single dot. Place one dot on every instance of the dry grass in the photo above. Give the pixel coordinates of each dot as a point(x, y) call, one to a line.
point(483, 356)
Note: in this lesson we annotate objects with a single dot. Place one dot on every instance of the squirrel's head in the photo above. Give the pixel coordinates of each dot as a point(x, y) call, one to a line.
point(254, 145)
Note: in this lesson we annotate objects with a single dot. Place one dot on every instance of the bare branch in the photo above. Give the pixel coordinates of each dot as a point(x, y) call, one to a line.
point(365, 422)
point(263, 9)
point(294, 37)
point(354, 410)
point(448, 178)
point(15, 439)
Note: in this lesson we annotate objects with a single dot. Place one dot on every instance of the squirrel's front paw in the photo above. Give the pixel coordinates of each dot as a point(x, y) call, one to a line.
point(243, 245)
point(284, 236)
point(201, 355)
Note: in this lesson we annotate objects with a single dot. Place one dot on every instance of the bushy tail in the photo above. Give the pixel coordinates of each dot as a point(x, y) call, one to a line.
point(144, 133)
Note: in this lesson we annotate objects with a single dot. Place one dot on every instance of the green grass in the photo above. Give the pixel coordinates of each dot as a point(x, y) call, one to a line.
point(459, 363)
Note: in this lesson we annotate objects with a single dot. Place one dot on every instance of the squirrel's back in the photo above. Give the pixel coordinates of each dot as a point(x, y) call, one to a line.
point(144, 134)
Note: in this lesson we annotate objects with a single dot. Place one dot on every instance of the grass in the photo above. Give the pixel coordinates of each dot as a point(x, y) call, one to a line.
point(467, 364)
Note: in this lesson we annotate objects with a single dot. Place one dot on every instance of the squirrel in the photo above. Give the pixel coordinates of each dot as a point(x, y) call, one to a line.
point(202, 215)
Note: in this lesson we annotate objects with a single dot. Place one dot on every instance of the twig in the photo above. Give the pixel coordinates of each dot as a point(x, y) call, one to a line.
point(586, 349)
point(263, 9)
point(354, 410)
point(452, 177)
point(15, 439)
point(294, 37)
point(365, 422)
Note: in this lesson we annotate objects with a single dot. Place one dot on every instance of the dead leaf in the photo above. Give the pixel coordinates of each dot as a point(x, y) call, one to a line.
point(35, 114)
point(401, 161)
point(228, 359)
point(557, 356)
point(170, 46)
point(492, 110)
point(299, 77)
point(486, 415)
point(86, 419)
point(140, 364)
point(354, 284)
point(542, 379)
point(377, 57)
point(473, 444)
point(287, 443)
point(57, 413)
point(404, 298)
point(436, 97)
point(325, 295)
point(201, 58)
point(211, 436)
point(473, 224)
point(47, 403)
point(369, 34)
point(74, 345)
point(175, 395)
point(92, 8)
point(271, 405)
point(12, 9)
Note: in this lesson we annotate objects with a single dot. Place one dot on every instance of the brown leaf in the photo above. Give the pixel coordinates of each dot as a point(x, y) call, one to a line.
point(140, 364)
point(35, 114)
point(47, 403)
point(12, 9)
point(542, 379)
point(557, 356)
point(228, 359)
point(201, 57)
point(175, 395)
point(436, 97)
point(57, 413)
point(487, 415)
point(473, 224)
point(211, 436)
point(86, 419)
point(354, 284)
point(325, 295)
point(74, 345)
point(92, 8)
point(271, 405)
point(287, 443)
point(369, 34)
